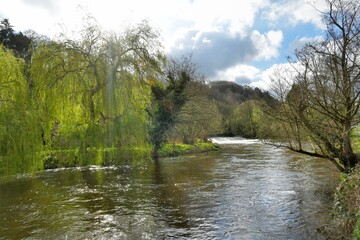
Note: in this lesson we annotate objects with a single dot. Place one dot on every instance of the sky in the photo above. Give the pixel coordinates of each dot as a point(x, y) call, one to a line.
point(243, 41)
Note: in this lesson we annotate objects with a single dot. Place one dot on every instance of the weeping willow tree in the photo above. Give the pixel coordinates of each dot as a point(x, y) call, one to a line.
point(92, 92)
point(20, 144)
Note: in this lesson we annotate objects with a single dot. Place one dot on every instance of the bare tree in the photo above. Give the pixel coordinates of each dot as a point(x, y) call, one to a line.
point(323, 101)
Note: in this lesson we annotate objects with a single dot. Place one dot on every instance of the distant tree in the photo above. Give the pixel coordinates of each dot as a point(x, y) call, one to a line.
point(18, 42)
point(241, 122)
point(6, 33)
point(229, 97)
point(321, 102)
point(199, 117)
point(169, 96)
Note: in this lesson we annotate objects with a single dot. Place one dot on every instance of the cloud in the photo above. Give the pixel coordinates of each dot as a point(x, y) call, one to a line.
point(294, 12)
point(237, 18)
point(241, 73)
point(217, 51)
point(50, 5)
point(278, 72)
point(299, 43)
point(213, 51)
point(255, 77)
point(267, 44)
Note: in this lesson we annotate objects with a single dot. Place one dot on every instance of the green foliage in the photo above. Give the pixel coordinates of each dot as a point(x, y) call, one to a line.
point(18, 42)
point(174, 149)
point(206, 146)
point(356, 233)
point(355, 137)
point(73, 158)
point(347, 203)
point(79, 99)
point(230, 95)
point(92, 91)
point(241, 122)
point(182, 149)
point(346, 210)
point(249, 120)
point(168, 101)
point(198, 118)
point(20, 140)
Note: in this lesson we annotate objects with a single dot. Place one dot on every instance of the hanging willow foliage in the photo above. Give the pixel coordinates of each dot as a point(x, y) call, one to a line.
point(81, 101)
point(20, 136)
point(93, 94)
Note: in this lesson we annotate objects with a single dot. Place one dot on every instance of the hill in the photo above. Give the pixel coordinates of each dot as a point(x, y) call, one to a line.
point(229, 94)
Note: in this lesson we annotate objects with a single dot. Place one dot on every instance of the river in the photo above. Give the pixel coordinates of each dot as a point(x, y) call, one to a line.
point(247, 191)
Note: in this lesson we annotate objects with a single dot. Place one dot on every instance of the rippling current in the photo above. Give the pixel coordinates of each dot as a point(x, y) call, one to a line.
point(247, 191)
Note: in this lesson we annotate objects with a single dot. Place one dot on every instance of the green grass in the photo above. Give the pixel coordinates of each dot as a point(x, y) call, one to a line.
point(346, 209)
point(109, 156)
point(355, 137)
point(169, 149)
point(101, 156)
point(75, 158)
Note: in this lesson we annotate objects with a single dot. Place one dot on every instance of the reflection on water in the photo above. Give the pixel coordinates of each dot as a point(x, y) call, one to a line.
point(249, 191)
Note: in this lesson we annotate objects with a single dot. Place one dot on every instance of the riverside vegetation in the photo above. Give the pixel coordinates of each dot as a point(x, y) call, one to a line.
point(104, 98)
point(101, 98)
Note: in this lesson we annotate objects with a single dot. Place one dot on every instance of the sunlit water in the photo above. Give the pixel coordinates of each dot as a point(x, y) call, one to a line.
point(247, 191)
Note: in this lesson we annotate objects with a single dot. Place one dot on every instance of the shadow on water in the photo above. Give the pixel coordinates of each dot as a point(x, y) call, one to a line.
point(248, 191)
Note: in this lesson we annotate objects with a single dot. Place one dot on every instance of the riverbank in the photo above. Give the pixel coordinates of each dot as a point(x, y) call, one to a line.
point(111, 156)
point(347, 198)
point(176, 149)
point(347, 206)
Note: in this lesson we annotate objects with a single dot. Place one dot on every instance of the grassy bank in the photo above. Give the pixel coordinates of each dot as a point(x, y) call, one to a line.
point(111, 156)
point(347, 206)
point(94, 156)
point(171, 150)
point(347, 199)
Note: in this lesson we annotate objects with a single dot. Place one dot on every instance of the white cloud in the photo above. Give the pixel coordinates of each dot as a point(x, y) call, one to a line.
point(25, 16)
point(255, 77)
point(294, 12)
point(268, 44)
point(236, 16)
point(283, 72)
point(240, 71)
point(200, 15)
point(51, 5)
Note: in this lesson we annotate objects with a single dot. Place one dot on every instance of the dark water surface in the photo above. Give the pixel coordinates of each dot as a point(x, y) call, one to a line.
point(248, 191)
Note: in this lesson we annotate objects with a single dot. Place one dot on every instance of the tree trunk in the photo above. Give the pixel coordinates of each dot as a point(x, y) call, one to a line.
point(348, 157)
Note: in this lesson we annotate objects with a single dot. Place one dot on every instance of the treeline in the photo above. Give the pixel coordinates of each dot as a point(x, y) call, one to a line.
point(99, 98)
point(242, 109)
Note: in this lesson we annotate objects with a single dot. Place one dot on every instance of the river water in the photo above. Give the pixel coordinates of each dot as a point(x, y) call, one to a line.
point(247, 191)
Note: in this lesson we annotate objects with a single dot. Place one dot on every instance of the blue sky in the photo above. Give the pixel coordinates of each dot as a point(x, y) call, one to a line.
point(242, 41)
